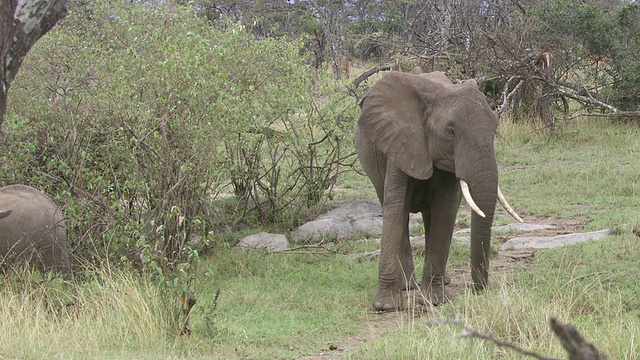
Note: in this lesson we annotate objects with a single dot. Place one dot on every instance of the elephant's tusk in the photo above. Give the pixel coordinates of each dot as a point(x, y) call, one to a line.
point(508, 207)
point(467, 196)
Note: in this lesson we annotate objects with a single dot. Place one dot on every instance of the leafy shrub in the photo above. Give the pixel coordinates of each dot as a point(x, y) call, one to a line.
point(134, 116)
point(595, 40)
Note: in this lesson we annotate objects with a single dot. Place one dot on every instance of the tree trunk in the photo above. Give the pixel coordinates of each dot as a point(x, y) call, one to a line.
point(22, 23)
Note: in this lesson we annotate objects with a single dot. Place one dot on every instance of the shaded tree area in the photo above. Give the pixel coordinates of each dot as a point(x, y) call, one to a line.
point(531, 57)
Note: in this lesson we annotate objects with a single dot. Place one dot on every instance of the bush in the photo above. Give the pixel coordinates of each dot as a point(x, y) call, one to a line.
point(134, 116)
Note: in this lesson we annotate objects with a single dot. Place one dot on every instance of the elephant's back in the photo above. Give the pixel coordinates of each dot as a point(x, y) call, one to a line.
point(29, 212)
point(32, 221)
point(24, 197)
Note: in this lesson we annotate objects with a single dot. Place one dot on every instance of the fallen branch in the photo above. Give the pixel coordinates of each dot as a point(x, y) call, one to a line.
point(304, 249)
point(573, 342)
point(577, 347)
point(613, 111)
point(506, 98)
point(584, 96)
point(367, 74)
point(469, 332)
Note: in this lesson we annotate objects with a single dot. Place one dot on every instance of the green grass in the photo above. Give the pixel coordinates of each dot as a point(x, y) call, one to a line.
point(269, 303)
point(112, 315)
point(592, 172)
point(592, 286)
point(281, 306)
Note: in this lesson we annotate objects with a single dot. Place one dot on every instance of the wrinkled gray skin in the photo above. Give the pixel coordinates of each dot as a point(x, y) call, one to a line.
point(417, 135)
point(32, 230)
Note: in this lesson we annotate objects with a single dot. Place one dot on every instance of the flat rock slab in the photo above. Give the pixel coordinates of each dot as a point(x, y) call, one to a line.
point(553, 241)
point(514, 226)
point(358, 217)
point(266, 241)
point(462, 236)
point(517, 243)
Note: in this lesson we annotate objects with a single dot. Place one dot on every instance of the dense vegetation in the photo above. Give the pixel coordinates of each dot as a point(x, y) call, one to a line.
point(137, 128)
point(531, 53)
point(161, 126)
point(277, 306)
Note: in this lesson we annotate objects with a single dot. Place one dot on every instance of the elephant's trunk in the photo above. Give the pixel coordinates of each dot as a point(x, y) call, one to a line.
point(483, 186)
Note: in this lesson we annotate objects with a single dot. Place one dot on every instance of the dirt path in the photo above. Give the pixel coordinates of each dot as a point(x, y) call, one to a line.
point(505, 262)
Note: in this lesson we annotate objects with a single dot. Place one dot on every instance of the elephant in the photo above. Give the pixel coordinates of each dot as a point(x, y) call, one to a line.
point(32, 230)
point(424, 141)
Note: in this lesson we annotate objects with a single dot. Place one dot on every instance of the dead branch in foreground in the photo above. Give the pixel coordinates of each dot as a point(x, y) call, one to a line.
point(364, 76)
point(577, 347)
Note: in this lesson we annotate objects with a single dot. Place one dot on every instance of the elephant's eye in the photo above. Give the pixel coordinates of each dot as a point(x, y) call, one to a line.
point(451, 133)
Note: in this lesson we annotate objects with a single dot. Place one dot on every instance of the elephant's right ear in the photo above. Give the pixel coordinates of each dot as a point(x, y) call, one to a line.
point(393, 118)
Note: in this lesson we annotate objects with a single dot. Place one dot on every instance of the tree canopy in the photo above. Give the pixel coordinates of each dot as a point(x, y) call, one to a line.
point(528, 54)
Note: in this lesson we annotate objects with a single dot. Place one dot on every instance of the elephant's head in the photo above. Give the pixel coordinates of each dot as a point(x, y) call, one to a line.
point(424, 121)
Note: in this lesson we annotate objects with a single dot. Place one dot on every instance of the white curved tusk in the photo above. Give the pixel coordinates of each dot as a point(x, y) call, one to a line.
point(506, 206)
point(469, 199)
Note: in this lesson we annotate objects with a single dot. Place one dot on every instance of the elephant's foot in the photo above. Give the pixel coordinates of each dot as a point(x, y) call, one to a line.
point(409, 275)
point(412, 284)
point(446, 279)
point(436, 294)
point(387, 299)
point(415, 286)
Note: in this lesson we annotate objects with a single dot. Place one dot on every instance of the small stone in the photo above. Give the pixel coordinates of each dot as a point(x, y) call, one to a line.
point(266, 241)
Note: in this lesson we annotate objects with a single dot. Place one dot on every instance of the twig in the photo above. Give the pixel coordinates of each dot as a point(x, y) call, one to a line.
point(190, 302)
point(319, 245)
point(469, 332)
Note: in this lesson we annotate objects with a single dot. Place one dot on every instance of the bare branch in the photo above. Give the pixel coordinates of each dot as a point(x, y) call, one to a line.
point(507, 97)
point(357, 81)
point(577, 347)
point(592, 101)
point(469, 332)
point(304, 249)
point(572, 341)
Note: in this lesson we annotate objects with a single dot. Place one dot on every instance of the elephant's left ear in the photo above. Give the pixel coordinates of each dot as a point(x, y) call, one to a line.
point(393, 117)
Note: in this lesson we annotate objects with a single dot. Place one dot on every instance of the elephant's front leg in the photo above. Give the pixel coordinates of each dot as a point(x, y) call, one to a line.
point(441, 221)
point(395, 271)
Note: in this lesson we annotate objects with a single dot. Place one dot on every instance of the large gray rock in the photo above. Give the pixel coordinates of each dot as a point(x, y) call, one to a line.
point(513, 244)
point(266, 241)
point(553, 241)
point(514, 226)
point(463, 236)
point(358, 217)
